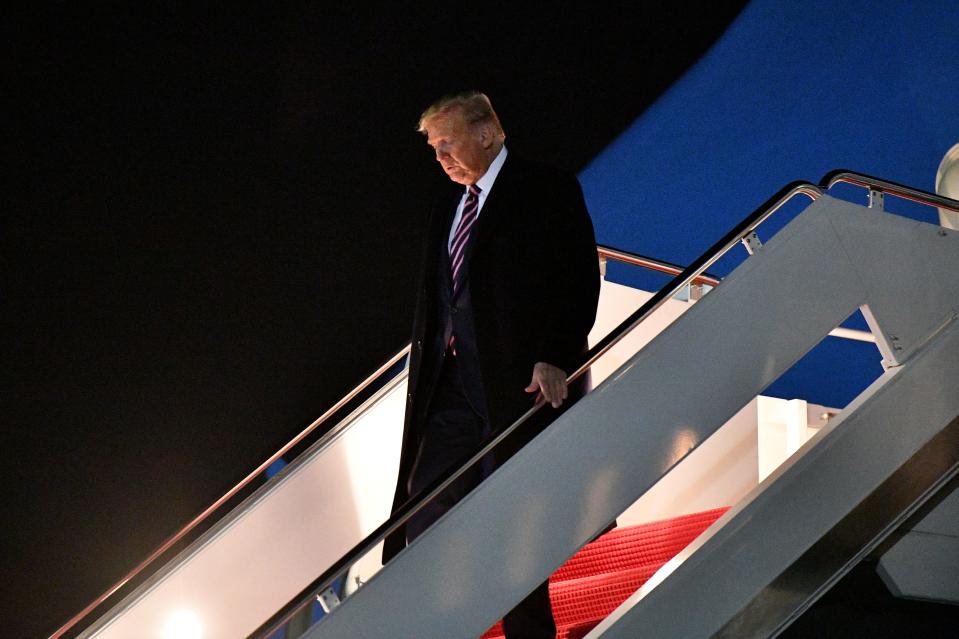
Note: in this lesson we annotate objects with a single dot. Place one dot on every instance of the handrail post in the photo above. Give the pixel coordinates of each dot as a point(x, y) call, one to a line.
point(752, 243)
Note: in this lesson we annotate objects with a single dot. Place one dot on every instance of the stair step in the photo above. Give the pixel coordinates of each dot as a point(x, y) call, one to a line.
point(594, 581)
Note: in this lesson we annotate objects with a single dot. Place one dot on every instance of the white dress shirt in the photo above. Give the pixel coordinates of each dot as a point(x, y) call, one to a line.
point(485, 183)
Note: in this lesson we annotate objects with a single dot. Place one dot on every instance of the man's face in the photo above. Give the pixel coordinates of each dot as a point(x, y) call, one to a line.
point(461, 149)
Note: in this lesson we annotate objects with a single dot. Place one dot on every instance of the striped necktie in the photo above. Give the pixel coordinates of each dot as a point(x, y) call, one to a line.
point(462, 235)
point(460, 238)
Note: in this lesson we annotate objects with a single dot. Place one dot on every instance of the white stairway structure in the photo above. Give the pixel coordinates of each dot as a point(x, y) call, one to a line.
point(672, 405)
point(617, 442)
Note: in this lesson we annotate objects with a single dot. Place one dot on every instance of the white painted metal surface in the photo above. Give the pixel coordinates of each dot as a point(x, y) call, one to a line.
point(616, 303)
point(557, 493)
point(731, 462)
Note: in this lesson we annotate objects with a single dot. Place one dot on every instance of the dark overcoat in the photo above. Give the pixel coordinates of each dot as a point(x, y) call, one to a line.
point(533, 278)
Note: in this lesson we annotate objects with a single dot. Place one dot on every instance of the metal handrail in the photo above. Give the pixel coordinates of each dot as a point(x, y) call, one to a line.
point(415, 504)
point(709, 280)
point(652, 264)
point(838, 176)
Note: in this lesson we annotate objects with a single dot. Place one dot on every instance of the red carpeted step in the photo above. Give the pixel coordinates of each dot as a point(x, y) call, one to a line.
point(606, 571)
point(634, 546)
point(596, 596)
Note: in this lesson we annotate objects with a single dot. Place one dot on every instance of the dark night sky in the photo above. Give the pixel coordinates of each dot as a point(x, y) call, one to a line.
point(213, 232)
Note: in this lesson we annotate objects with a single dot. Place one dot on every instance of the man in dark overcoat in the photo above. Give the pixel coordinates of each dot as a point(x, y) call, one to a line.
point(507, 295)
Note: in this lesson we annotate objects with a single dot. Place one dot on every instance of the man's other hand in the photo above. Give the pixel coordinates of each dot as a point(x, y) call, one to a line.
point(550, 382)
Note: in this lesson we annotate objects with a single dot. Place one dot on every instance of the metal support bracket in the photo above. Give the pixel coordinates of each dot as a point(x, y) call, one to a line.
point(328, 600)
point(752, 243)
point(877, 199)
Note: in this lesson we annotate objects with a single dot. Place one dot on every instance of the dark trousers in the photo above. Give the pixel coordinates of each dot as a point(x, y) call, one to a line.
point(454, 430)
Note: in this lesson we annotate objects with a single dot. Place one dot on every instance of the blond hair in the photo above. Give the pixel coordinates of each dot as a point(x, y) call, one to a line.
point(473, 105)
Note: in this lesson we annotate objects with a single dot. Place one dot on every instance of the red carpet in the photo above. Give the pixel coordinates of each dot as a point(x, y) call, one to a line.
point(608, 570)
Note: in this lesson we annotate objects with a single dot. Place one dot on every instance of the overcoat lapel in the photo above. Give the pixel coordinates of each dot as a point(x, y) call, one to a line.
point(486, 224)
point(442, 220)
point(447, 204)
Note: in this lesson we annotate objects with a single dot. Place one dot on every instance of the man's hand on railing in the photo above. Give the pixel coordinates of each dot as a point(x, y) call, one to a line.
point(550, 381)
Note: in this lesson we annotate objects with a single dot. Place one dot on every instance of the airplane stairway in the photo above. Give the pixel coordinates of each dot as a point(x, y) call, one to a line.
point(792, 536)
point(799, 531)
